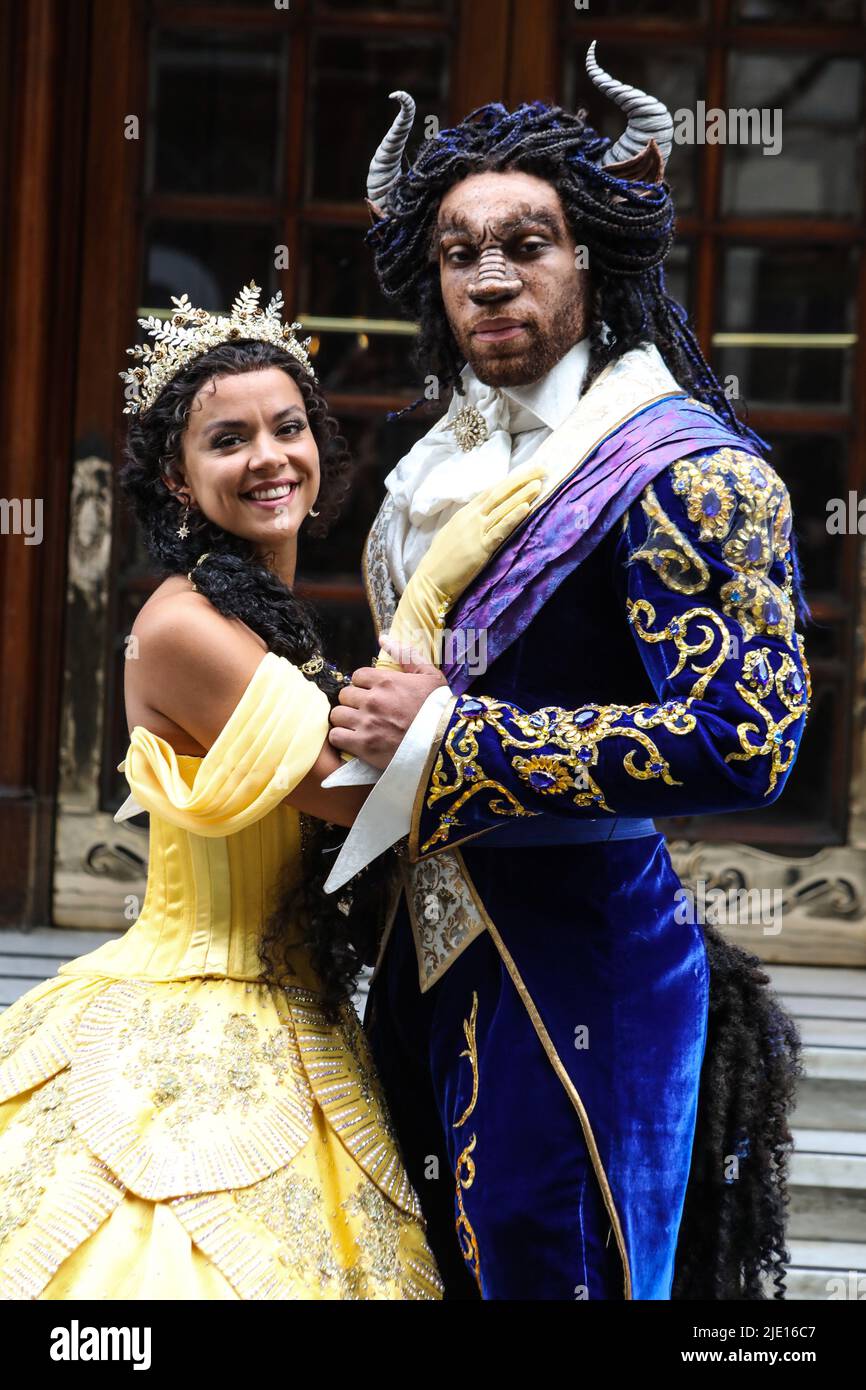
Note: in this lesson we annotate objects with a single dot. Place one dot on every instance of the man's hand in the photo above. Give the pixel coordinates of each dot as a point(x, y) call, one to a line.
point(377, 708)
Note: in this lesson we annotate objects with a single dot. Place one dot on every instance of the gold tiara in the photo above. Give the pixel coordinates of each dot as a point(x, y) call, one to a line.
point(190, 333)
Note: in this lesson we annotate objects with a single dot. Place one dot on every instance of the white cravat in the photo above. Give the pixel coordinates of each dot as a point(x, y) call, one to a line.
point(436, 478)
point(430, 483)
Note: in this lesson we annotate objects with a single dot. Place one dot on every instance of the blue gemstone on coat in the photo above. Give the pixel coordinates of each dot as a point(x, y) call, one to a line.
point(757, 477)
point(772, 612)
point(712, 503)
point(536, 719)
point(762, 670)
point(585, 754)
point(541, 781)
point(585, 717)
point(794, 683)
point(736, 596)
point(754, 549)
point(778, 736)
point(674, 625)
point(470, 771)
point(471, 707)
point(656, 767)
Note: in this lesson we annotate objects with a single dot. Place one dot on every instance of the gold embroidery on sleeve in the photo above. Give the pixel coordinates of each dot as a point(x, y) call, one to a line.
point(577, 733)
point(794, 690)
point(642, 614)
point(667, 551)
point(739, 502)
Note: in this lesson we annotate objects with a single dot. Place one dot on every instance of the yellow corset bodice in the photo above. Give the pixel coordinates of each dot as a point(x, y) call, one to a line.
point(222, 838)
point(207, 898)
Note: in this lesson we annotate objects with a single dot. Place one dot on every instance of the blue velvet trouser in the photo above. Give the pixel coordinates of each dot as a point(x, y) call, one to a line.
point(513, 1197)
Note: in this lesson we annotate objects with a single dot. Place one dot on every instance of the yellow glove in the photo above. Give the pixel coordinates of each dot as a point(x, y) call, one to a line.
point(457, 554)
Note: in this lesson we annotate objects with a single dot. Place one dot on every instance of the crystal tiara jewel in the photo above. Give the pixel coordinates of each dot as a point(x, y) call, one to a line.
point(190, 333)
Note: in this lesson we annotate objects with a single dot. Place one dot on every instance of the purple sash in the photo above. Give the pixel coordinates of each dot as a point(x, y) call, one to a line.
point(568, 525)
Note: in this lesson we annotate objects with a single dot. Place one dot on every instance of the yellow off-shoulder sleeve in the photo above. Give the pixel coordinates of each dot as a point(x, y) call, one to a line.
point(269, 743)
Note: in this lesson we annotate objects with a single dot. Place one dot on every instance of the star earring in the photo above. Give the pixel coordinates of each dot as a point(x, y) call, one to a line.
point(183, 529)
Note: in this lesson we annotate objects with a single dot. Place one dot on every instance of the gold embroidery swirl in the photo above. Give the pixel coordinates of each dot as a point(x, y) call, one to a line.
point(794, 691)
point(577, 734)
point(642, 615)
point(465, 1171)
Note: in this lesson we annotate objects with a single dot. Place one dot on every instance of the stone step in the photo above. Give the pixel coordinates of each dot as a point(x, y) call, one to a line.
point(830, 1143)
point(828, 1254)
point(832, 1032)
point(28, 958)
point(848, 1006)
point(822, 980)
point(825, 1270)
point(824, 1103)
point(822, 1285)
point(827, 1185)
point(824, 1212)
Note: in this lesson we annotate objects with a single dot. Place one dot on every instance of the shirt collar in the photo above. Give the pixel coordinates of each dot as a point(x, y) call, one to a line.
point(545, 402)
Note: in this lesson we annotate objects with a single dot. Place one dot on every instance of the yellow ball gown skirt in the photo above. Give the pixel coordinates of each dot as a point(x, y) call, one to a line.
point(170, 1126)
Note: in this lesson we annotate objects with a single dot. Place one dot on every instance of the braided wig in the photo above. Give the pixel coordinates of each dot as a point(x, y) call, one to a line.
point(626, 225)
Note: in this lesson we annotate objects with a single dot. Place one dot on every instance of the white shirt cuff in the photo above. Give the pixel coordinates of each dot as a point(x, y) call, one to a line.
point(386, 815)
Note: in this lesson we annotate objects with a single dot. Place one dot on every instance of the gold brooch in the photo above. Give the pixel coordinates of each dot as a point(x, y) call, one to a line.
point(470, 428)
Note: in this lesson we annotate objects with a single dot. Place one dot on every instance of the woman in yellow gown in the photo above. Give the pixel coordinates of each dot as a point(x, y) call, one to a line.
point(178, 1118)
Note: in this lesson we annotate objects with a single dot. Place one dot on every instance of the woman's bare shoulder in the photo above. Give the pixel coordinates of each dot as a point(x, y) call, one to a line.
point(188, 664)
point(175, 611)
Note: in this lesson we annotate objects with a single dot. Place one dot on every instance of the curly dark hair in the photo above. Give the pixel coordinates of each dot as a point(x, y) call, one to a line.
point(626, 225)
point(240, 584)
point(731, 1242)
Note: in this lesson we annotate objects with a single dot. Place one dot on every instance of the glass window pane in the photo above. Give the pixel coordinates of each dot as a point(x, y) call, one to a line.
point(675, 76)
point(337, 280)
point(815, 468)
point(678, 273)
point(217, 106)
point(209, 261)
point(811, 108)
point(798, 11)
point(787, 290)
point(350, 78)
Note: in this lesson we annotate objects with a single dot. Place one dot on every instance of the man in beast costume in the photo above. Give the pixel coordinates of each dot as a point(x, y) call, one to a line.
point(589, 1085)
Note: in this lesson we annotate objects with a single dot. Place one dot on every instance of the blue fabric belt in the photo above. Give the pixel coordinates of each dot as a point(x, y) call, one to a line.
point(523, 832)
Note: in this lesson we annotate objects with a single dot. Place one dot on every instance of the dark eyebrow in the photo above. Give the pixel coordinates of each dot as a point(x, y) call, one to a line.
point(241, 424)
point(505, 226)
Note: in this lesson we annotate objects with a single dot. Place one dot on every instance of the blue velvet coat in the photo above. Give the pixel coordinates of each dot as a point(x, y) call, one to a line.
point(546, 1087)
